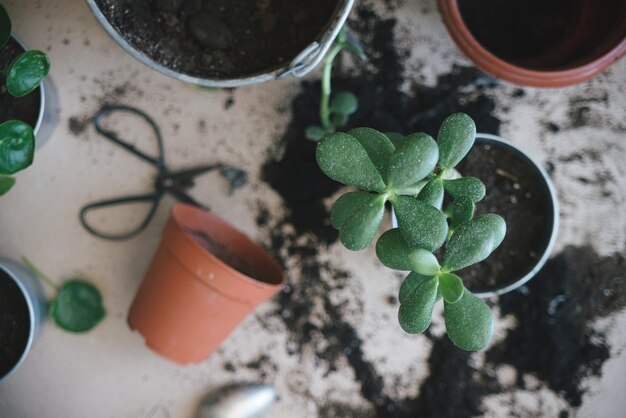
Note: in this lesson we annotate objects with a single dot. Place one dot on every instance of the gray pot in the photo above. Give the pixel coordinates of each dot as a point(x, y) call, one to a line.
point(48, 107)
point(553, 215)
point(308, 59)
point(35, 299)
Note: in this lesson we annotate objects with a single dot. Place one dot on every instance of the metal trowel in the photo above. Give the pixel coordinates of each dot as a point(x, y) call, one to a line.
point(242, 400)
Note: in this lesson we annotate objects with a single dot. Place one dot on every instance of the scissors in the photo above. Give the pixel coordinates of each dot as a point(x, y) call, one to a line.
point(166, 181)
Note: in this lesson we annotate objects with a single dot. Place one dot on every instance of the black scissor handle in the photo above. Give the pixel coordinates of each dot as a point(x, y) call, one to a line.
point(153, 198)
point(108, 110)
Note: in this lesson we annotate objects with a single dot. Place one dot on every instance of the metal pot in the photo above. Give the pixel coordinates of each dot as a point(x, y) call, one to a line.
point(35, 299)
point(302, 64)
point(553, 216)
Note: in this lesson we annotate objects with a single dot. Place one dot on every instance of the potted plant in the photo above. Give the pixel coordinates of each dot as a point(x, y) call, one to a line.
point(438, 234)
point(21, 73)
point(205, 278)
point(538, 43)
point(224, 44)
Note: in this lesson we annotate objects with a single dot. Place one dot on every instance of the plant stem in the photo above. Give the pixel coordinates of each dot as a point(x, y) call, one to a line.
point(38, 272)
point(325, 102)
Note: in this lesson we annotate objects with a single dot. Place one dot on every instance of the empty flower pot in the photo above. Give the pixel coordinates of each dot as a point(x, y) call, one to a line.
point(543, 43)
point(205, 278)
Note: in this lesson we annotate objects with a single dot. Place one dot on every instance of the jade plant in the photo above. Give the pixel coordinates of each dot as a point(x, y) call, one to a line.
point(335, 111)
point(23, 75)
point(432, 241)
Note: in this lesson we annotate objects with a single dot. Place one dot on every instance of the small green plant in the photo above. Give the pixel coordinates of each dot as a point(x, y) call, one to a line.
point(335, 113)
point(23, 75)
point(77, 306)
point(413, 173)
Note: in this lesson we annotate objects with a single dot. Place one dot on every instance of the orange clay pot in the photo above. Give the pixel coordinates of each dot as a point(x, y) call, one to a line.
point(557, 67)
point(190, 300)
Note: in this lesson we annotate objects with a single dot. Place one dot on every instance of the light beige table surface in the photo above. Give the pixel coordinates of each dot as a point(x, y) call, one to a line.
point(109, 372)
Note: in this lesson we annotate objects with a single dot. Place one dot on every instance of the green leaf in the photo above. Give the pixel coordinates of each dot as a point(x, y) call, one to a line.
point(342, 158)
point(456, 137)
point(409, 284)
point(432, 193)
point(393, 251)
point(344, 103)
point(26, 72)
point(5, 26)
point(338, 120)
point(5, 184)
point(469, 322)
point(462, 211)
point(359, 230)
point(466, 186)
point(314, 132)
point(17, 146)
point(355, 48)
point(377, 145)
point(78, 306)
point(424, 262)
point(347, 205)
point(412, 161)
point(451, 287)
point(422, 225)
point(474, 241)
point(416, 312)
point(396, 138)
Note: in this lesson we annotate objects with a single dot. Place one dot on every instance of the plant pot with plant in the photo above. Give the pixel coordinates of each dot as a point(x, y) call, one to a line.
point(223, 43)
point(205, 278)
point(537, 42)
point(439, 235)
point(22, 103)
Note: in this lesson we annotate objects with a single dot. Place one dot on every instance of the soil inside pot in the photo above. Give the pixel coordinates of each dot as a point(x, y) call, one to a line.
point(517, 193)
point(220, 39)
point(544, 34)
point(24, 108)
point(14, 323)
point(227, 256)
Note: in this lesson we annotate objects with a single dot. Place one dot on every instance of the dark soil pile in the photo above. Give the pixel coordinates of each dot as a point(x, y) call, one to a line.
point(515, 192)
point(219, 39)
point(24, 108)
point(14, 323)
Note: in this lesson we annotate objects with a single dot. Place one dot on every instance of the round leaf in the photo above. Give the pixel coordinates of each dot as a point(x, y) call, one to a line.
point(409, 284)
point(359, 230)
point(347, 205)
point(456, 137)
point(26, 72)
point(432, 193)
point(78, 306)
point(451, 287)
point(344, 103)
point(338, 120)
point(469, 322)
point(17, 146)
point(462, 211)
point(314, 132)
point(393, 251)
point(474, 241)
point(5, 184)
point(416, 312)
point(422, 225)
point(424, 262)
point(412, 161)
point(396, 138)
point(466, 186)
point(5, 26)
point(377, 145)
point(342, 158)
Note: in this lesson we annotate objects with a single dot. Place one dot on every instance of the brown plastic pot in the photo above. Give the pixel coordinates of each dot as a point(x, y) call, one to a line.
point(190, 300)
point(587, 49)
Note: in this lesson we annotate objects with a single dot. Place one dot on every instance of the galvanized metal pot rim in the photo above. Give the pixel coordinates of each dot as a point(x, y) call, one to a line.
point(301, 65)
point(31, 316)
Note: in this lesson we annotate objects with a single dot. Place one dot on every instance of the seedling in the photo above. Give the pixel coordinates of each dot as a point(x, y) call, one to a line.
point(335, 113)
point(414, 173)
point(77, 306)
point(23, 75)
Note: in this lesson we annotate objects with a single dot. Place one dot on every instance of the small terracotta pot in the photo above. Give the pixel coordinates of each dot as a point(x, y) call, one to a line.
point(587, 48)
point(190, 300)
